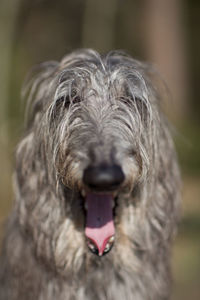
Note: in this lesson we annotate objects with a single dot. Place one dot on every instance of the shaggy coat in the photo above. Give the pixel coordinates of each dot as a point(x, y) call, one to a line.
point(91, 110)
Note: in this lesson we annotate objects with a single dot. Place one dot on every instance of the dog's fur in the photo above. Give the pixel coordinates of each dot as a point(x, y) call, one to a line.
point(85, 110)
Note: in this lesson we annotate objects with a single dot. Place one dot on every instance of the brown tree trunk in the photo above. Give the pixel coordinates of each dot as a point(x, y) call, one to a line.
point(98, 24)
point(165, 46)
point(8, 15)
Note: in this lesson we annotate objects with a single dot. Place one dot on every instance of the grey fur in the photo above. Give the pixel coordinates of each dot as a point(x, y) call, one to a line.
point(91, 108)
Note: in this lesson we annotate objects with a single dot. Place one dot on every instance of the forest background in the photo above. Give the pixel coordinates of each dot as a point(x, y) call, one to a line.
point(164, 32)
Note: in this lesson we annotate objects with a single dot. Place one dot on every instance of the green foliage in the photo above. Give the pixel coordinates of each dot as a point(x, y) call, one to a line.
point(188, 148)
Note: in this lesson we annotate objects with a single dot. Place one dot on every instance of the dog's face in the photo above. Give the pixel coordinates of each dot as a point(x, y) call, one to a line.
point(96, 173)
point(85, 165)
point(98, 123)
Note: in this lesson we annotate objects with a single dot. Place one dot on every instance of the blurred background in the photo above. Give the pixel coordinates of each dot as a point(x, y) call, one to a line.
point(165, 32)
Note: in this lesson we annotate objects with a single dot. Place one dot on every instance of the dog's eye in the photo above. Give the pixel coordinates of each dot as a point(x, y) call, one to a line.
point(130, 99)
point(65, 101)
point(126, 100)
point(136, 101)
point(76, 99)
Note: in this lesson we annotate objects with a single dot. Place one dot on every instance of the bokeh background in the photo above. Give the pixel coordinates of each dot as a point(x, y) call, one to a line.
point(165, 32)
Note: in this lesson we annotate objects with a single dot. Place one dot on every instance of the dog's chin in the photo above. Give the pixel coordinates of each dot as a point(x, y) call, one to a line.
point(99, 209)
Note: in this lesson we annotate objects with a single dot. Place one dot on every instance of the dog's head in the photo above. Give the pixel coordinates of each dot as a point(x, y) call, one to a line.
point(100, 122)
point(96, 135)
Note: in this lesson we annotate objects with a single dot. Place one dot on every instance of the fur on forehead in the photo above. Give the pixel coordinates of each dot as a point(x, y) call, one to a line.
point(87, 72)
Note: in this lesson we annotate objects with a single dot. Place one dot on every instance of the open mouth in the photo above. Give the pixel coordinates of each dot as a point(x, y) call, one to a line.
point(99, 227)
point(102, 183)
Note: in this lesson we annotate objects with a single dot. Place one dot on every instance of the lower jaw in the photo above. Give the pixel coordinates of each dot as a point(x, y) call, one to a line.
point(100, 210)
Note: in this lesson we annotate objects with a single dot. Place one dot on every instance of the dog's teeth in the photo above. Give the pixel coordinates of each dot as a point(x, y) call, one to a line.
point(107, 248)
point(109, 244)
point(91, 246)
point(111, 240)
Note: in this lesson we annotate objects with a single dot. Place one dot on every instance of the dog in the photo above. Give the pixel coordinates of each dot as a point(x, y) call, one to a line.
point(97, 195)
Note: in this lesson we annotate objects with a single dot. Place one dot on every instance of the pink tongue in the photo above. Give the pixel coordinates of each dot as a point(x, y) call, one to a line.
point(99, 223)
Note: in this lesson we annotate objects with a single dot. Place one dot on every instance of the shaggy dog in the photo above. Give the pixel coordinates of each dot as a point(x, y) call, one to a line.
point(96, 185)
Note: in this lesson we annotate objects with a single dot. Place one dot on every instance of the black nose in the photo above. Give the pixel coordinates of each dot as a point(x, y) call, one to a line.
point(103, 177)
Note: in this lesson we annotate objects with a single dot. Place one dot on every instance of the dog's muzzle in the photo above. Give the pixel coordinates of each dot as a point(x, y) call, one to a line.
point(101, 184)
point(103, 178)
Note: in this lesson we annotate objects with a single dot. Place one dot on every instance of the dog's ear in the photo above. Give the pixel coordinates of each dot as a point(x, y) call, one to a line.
point(34, 90)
